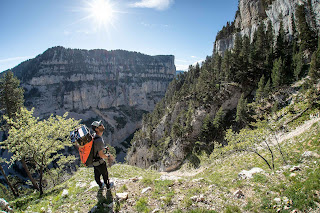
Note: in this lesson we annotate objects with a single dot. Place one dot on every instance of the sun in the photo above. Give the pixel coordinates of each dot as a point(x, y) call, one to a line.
point(101, 12)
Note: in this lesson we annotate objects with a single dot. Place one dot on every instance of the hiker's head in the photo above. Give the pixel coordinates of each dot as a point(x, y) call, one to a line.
point(97, 126)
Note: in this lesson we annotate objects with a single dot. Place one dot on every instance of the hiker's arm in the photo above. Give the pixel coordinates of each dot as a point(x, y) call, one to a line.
point(76, 145)
point(102, 155)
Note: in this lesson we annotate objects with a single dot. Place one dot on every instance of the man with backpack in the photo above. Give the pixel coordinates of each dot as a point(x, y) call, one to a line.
point(99, 164)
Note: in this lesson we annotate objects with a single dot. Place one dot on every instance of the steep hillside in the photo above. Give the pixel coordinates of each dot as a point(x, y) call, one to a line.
point(237, 85)
point(228, 180)
point(114, 86)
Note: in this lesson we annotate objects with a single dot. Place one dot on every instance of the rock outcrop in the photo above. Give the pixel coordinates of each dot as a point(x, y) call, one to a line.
point(252, 12)
point(114, 86)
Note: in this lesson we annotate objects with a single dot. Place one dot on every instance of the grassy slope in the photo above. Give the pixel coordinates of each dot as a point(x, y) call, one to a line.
point(209, 188)
point(216, 182)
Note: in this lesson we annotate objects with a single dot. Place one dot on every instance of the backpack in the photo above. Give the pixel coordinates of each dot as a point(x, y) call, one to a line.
point(84, 144)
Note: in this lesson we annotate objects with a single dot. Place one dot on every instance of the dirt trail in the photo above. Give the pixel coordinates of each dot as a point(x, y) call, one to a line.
point(281, 137)
point(298, 130)
point(184, 173)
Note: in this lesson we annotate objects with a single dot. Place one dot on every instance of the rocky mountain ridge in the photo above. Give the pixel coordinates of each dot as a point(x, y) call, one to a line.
point(252, 12)
point(114, 86)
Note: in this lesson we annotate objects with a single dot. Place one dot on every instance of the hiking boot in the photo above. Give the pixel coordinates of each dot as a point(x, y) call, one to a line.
point(110, 185)
point(101, 186)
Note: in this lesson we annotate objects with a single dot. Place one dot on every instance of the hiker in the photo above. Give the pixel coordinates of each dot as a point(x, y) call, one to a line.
point(99, 165)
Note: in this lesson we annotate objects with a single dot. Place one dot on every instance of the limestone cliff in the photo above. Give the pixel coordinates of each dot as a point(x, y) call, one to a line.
point(114, 86)
point(252, 12)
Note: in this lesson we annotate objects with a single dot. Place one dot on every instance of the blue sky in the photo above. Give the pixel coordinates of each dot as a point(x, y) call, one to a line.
point(183, 28)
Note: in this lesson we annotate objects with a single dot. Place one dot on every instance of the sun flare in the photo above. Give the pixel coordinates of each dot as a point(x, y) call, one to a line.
point(102, 12)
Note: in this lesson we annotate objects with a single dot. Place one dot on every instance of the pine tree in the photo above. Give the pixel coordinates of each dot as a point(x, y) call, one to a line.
point(245, 52)
point(269, 35)
point(237, 60)
point(280, 46)
point(314, 71)
point(242, 111)
point(251, 72)
point(297, 65)
point(260, 91)
point(293, 26)
point(237, 45)
point(269, 48)
point(217, 67)
point(206, 86)
point(277, 73)
point(226, 66)
point(217, 124)
point(275, 107)
point(11, 100)
point(261, 49)
point(218, 119)
point(261, 42)
point(267, 88)
point(205, 129)
point(11, 94)
point(306, 34)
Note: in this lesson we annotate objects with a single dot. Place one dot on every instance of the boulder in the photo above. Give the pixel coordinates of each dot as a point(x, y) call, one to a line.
point(122, 196)
point(295, 168)
point(309, 154)
point(277, 200)
point(244, 174)
point(293, 175)
point(65, 193)
point(135, 179)
point(145, 190)
point(238, 194)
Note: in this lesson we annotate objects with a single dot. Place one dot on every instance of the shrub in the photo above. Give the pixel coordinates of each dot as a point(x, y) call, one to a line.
point(142, 205)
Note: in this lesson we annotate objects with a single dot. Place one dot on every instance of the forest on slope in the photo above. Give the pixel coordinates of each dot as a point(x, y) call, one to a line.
point(231, 90)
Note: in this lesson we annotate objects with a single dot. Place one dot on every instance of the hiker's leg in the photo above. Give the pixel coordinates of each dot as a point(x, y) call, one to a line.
point(97, 175)
point(105, 175)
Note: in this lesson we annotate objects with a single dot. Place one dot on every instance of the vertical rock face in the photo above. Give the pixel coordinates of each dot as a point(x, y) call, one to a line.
point(114, 86)
point(252, 12)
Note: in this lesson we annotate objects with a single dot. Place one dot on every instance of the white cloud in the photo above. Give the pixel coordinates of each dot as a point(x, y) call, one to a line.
point(155, 4)
point(182, 67)
point(154, 25)
point(6, 60)
point(146, 24)
point(184, 64)
point(199, 62)
point(66, 32)
point(9, 63)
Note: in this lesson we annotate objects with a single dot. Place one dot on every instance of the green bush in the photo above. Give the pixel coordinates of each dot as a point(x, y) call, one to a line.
point(232, 209)
point(142, 205)
point(260, 178)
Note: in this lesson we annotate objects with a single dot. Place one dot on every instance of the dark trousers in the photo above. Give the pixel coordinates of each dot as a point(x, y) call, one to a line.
point(101, 170)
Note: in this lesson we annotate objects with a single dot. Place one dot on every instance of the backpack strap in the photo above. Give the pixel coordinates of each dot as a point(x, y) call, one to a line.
point(97, 160)
point(95, 154)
